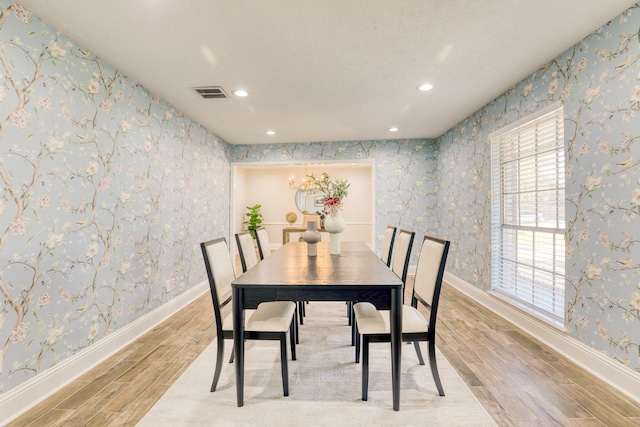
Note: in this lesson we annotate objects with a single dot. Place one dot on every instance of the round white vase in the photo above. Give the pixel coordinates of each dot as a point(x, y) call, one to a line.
point(334, 224)
point(312, 237)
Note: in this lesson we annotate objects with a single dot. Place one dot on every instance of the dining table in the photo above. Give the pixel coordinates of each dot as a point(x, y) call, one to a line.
point(289, 274)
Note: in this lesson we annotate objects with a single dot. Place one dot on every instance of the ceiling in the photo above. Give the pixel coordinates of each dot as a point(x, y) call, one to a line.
point(327, 70)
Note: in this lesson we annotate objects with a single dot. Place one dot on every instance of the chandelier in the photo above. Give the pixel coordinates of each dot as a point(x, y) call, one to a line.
point(306, 184)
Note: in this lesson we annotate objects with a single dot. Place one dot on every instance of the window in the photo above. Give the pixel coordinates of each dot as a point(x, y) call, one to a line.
point(527, 212)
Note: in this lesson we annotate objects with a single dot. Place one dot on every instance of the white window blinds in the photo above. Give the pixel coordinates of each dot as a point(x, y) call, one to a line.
point(527, 211)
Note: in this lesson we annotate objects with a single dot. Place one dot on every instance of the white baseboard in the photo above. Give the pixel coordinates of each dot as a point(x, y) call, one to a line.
point(622, 378)
point(27, 395)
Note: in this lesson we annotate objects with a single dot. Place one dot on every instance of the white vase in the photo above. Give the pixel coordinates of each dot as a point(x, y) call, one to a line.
point(312, 237)
point(334, 224)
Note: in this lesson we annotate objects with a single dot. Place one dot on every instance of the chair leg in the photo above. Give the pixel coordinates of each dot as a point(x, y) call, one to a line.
point(301, 312)
point(283, 364)
point(434, 367)
point(349, 311)
point(352, 322)
point(232, 354)
point(357, 340)
point(416, 344)
point(293, 337)
point(365, 367)
point(216, 376)
point(295, 326)
point(353, 334)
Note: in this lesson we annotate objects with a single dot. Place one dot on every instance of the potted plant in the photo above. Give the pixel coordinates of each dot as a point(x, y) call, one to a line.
point(254, 219)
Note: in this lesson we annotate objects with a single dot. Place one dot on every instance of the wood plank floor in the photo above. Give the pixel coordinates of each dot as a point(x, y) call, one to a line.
point(520, 381)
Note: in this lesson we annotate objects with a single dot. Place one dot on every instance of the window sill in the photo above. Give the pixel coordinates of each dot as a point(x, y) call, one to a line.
point(531, 311)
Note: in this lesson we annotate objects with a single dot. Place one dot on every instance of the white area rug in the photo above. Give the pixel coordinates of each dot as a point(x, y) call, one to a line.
point(324, 385)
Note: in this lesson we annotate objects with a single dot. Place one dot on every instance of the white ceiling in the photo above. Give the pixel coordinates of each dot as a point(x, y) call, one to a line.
point(327, 70)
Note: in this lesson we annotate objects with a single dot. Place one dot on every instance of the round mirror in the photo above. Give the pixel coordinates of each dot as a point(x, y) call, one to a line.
point(309, 201)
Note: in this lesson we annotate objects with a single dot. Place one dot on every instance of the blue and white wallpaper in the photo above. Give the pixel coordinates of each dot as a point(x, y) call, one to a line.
point(105, 194)
point(405, 176)
point(598, 81)
point(107, 190)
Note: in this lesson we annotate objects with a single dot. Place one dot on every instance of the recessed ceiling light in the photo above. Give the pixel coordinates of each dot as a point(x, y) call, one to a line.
point(425, 87)
point(393, 129)
point(270, 132)
point(240, 92)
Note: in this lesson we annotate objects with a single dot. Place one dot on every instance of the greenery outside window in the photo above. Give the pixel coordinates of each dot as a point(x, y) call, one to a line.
point(527, 212)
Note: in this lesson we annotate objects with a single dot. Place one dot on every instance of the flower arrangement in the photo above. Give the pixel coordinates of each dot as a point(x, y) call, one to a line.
point(334, 191)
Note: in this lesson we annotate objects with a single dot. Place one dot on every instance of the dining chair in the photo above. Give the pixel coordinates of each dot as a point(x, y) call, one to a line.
point(399, 265)
point(374, 325)
point(269, 321)
point(387, 249)
point(264, 250)
point(311, 217)
point(402, 253)
point(247, 250)
point(264, 247)
point(387, 244)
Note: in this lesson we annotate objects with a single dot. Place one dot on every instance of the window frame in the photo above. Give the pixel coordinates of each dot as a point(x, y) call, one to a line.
point(528, 169)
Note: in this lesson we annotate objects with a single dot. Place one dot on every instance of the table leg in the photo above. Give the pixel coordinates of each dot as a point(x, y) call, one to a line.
point(396, 344)
point(238, 342)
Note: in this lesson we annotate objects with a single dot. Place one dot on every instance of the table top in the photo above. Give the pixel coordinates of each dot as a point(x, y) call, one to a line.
point(356, 266)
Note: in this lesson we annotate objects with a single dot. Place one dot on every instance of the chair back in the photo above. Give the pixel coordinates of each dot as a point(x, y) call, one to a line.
point(387, 244)
point(429, 274)
point(247, 250)
point(311, 217)
point(402, 253)
point(264, 247)
point(217, 261)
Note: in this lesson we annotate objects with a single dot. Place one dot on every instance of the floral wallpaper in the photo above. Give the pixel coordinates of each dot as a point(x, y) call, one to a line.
point(405, 176)
point(598, 81)
point(106, 191)
point(104, 198)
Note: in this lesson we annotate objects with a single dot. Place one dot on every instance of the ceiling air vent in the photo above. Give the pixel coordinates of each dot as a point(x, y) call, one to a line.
point(210, 92)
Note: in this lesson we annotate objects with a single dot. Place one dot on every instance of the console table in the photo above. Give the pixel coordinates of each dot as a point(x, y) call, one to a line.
point(287, 230)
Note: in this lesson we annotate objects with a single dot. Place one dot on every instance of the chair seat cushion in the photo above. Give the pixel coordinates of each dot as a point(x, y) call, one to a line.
point(272, 316)
point(370, 320)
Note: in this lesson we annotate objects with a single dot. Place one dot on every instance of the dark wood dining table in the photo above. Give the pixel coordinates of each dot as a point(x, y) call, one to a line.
point(288, 274)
